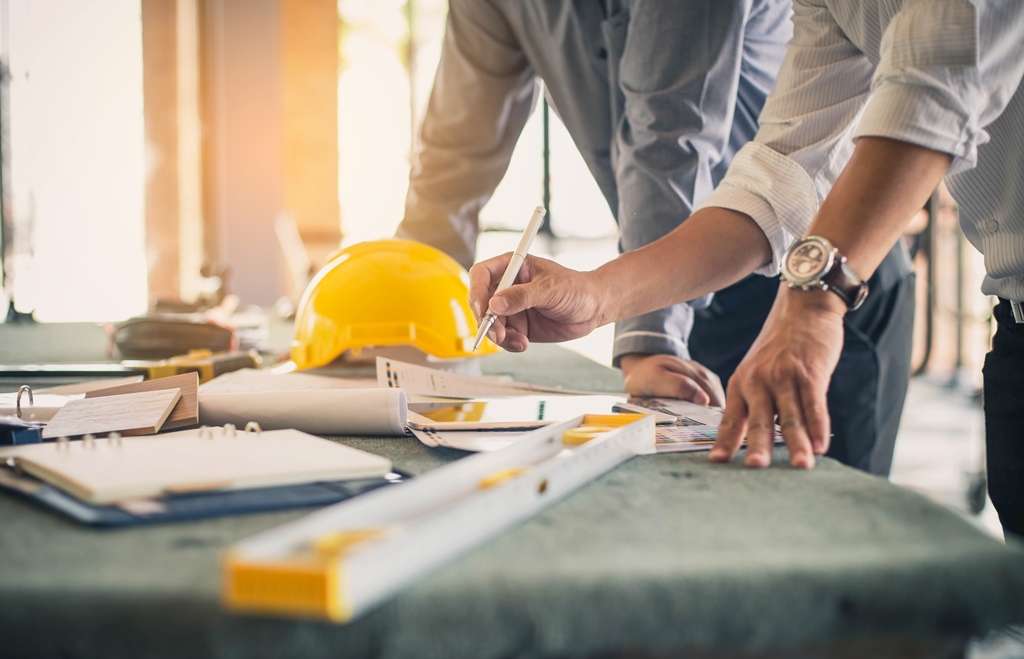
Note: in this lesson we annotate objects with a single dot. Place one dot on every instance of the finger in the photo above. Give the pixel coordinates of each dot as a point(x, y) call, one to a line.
point(483, 279)
point(514, 299)
point(515, 341)
point(814, 402)
point(516, 333)
point(716, 393)
point(526, 294)
point(794, 429)
point(760, 426)
point(498, 331)
point(733, 426)
point(686, 388)
point(701, 376)
point(664, 383)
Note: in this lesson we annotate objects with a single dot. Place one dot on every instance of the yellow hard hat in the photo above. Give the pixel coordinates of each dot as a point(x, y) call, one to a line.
point(385, 293)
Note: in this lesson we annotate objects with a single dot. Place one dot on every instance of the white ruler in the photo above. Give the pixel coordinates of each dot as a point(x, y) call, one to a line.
point(343, 560)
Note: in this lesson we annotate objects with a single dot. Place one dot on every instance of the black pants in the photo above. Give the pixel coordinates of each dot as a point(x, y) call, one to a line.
point(866, 394)
point(1004, 420)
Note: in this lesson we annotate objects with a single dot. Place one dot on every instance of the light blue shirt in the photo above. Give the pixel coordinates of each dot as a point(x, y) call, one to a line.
point(658, 97)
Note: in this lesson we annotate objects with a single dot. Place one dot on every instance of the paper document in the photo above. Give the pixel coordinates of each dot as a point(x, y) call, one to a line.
point(477, 441)
point(420, 380)
point(320, 412)
point(250, 379)
point(695, 429)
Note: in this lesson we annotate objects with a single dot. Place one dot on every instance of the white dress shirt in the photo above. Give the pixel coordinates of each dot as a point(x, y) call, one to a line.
point(943, 74)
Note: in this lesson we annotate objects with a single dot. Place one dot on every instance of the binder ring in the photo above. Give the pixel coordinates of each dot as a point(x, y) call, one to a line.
point(89, 441)
point(114, 439)
point(205, 432)
point(252, 426)
point(230, 429)
point(63, 443)
point(17, 402)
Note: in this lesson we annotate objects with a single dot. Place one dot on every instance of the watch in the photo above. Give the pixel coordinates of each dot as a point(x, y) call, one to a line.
point(813, 263)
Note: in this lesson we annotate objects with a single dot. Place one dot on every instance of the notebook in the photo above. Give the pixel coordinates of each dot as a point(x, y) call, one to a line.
point(103, 471)
point(195, 505)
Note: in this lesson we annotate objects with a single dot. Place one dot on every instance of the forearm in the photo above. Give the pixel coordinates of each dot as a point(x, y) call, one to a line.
point(482, 96)
point(885, 183)
point(880, 189)
point(714, 248)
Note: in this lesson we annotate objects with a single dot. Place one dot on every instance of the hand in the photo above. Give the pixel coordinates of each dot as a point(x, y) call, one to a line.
point(785, 373)
point(549, 303)
point(668, 376)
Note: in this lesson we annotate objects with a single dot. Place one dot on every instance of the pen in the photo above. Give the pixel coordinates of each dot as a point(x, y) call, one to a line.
point(512, 270)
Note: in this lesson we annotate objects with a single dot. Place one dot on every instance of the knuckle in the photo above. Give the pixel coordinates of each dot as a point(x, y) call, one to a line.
point(758, 426)
point(791, 423)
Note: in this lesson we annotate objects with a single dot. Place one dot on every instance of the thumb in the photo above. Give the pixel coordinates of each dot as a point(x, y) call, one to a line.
point(514, 299)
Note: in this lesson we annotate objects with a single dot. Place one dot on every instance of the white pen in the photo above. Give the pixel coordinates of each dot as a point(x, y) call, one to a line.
point(512, 270)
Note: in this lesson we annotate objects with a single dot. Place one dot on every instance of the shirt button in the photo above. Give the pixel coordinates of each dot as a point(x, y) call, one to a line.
point(991, 225)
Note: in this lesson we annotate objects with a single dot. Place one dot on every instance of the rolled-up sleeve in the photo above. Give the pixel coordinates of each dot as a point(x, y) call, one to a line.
point(945, 69)
point(483, 94)
point(803, 143)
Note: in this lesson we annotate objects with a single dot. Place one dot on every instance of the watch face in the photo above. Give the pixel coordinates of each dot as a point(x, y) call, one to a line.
point(807, 260)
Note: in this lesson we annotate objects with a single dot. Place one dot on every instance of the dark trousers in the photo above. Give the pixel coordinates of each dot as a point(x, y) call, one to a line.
point(866, 394)
point(1004, 420)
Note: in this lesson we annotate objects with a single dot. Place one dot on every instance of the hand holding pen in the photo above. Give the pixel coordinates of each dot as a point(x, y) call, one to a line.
point(512, 269)
point(549, 303)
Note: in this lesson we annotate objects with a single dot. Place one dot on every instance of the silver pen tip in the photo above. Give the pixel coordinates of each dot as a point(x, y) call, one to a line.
point(481, 333)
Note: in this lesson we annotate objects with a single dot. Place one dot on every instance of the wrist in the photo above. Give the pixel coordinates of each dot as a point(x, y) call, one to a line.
point(806, 303)
point(813, 263)
point(629, 360)
point(602, 287)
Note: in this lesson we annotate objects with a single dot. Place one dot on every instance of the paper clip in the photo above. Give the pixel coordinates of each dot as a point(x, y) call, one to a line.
point(253, 427)
point(17, 402)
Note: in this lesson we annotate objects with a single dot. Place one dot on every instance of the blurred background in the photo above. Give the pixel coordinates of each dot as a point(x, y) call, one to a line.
point(169, 149)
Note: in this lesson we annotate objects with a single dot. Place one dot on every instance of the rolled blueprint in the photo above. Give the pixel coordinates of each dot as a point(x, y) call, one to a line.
point(320, 411)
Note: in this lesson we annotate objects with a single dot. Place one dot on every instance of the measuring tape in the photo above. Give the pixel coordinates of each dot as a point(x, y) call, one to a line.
point(343, 560)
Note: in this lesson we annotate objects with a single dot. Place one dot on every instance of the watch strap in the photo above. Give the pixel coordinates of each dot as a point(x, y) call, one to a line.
point(842, 281)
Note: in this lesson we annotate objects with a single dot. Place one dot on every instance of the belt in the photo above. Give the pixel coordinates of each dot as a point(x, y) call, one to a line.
point(1018, 311)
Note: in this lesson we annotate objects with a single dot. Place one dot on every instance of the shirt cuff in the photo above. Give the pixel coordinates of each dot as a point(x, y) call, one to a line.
point(909, 110)
point(661, 332)
point(774, 191)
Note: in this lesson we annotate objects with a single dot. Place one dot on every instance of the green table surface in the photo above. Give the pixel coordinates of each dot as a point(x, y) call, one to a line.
point(665, 556)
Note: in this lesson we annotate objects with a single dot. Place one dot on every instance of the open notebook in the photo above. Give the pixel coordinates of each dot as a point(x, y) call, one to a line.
point(104, 471)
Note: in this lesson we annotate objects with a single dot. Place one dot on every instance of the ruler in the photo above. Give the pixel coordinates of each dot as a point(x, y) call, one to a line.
point(340, 562)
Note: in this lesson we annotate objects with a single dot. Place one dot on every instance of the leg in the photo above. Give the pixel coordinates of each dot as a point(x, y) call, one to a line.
point(869, 385)
point(1004, 421)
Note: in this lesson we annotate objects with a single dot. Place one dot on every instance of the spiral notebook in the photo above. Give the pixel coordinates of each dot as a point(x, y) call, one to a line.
point(115, 470)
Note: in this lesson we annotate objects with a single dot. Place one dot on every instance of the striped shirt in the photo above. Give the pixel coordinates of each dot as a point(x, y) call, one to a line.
point(943, 74)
